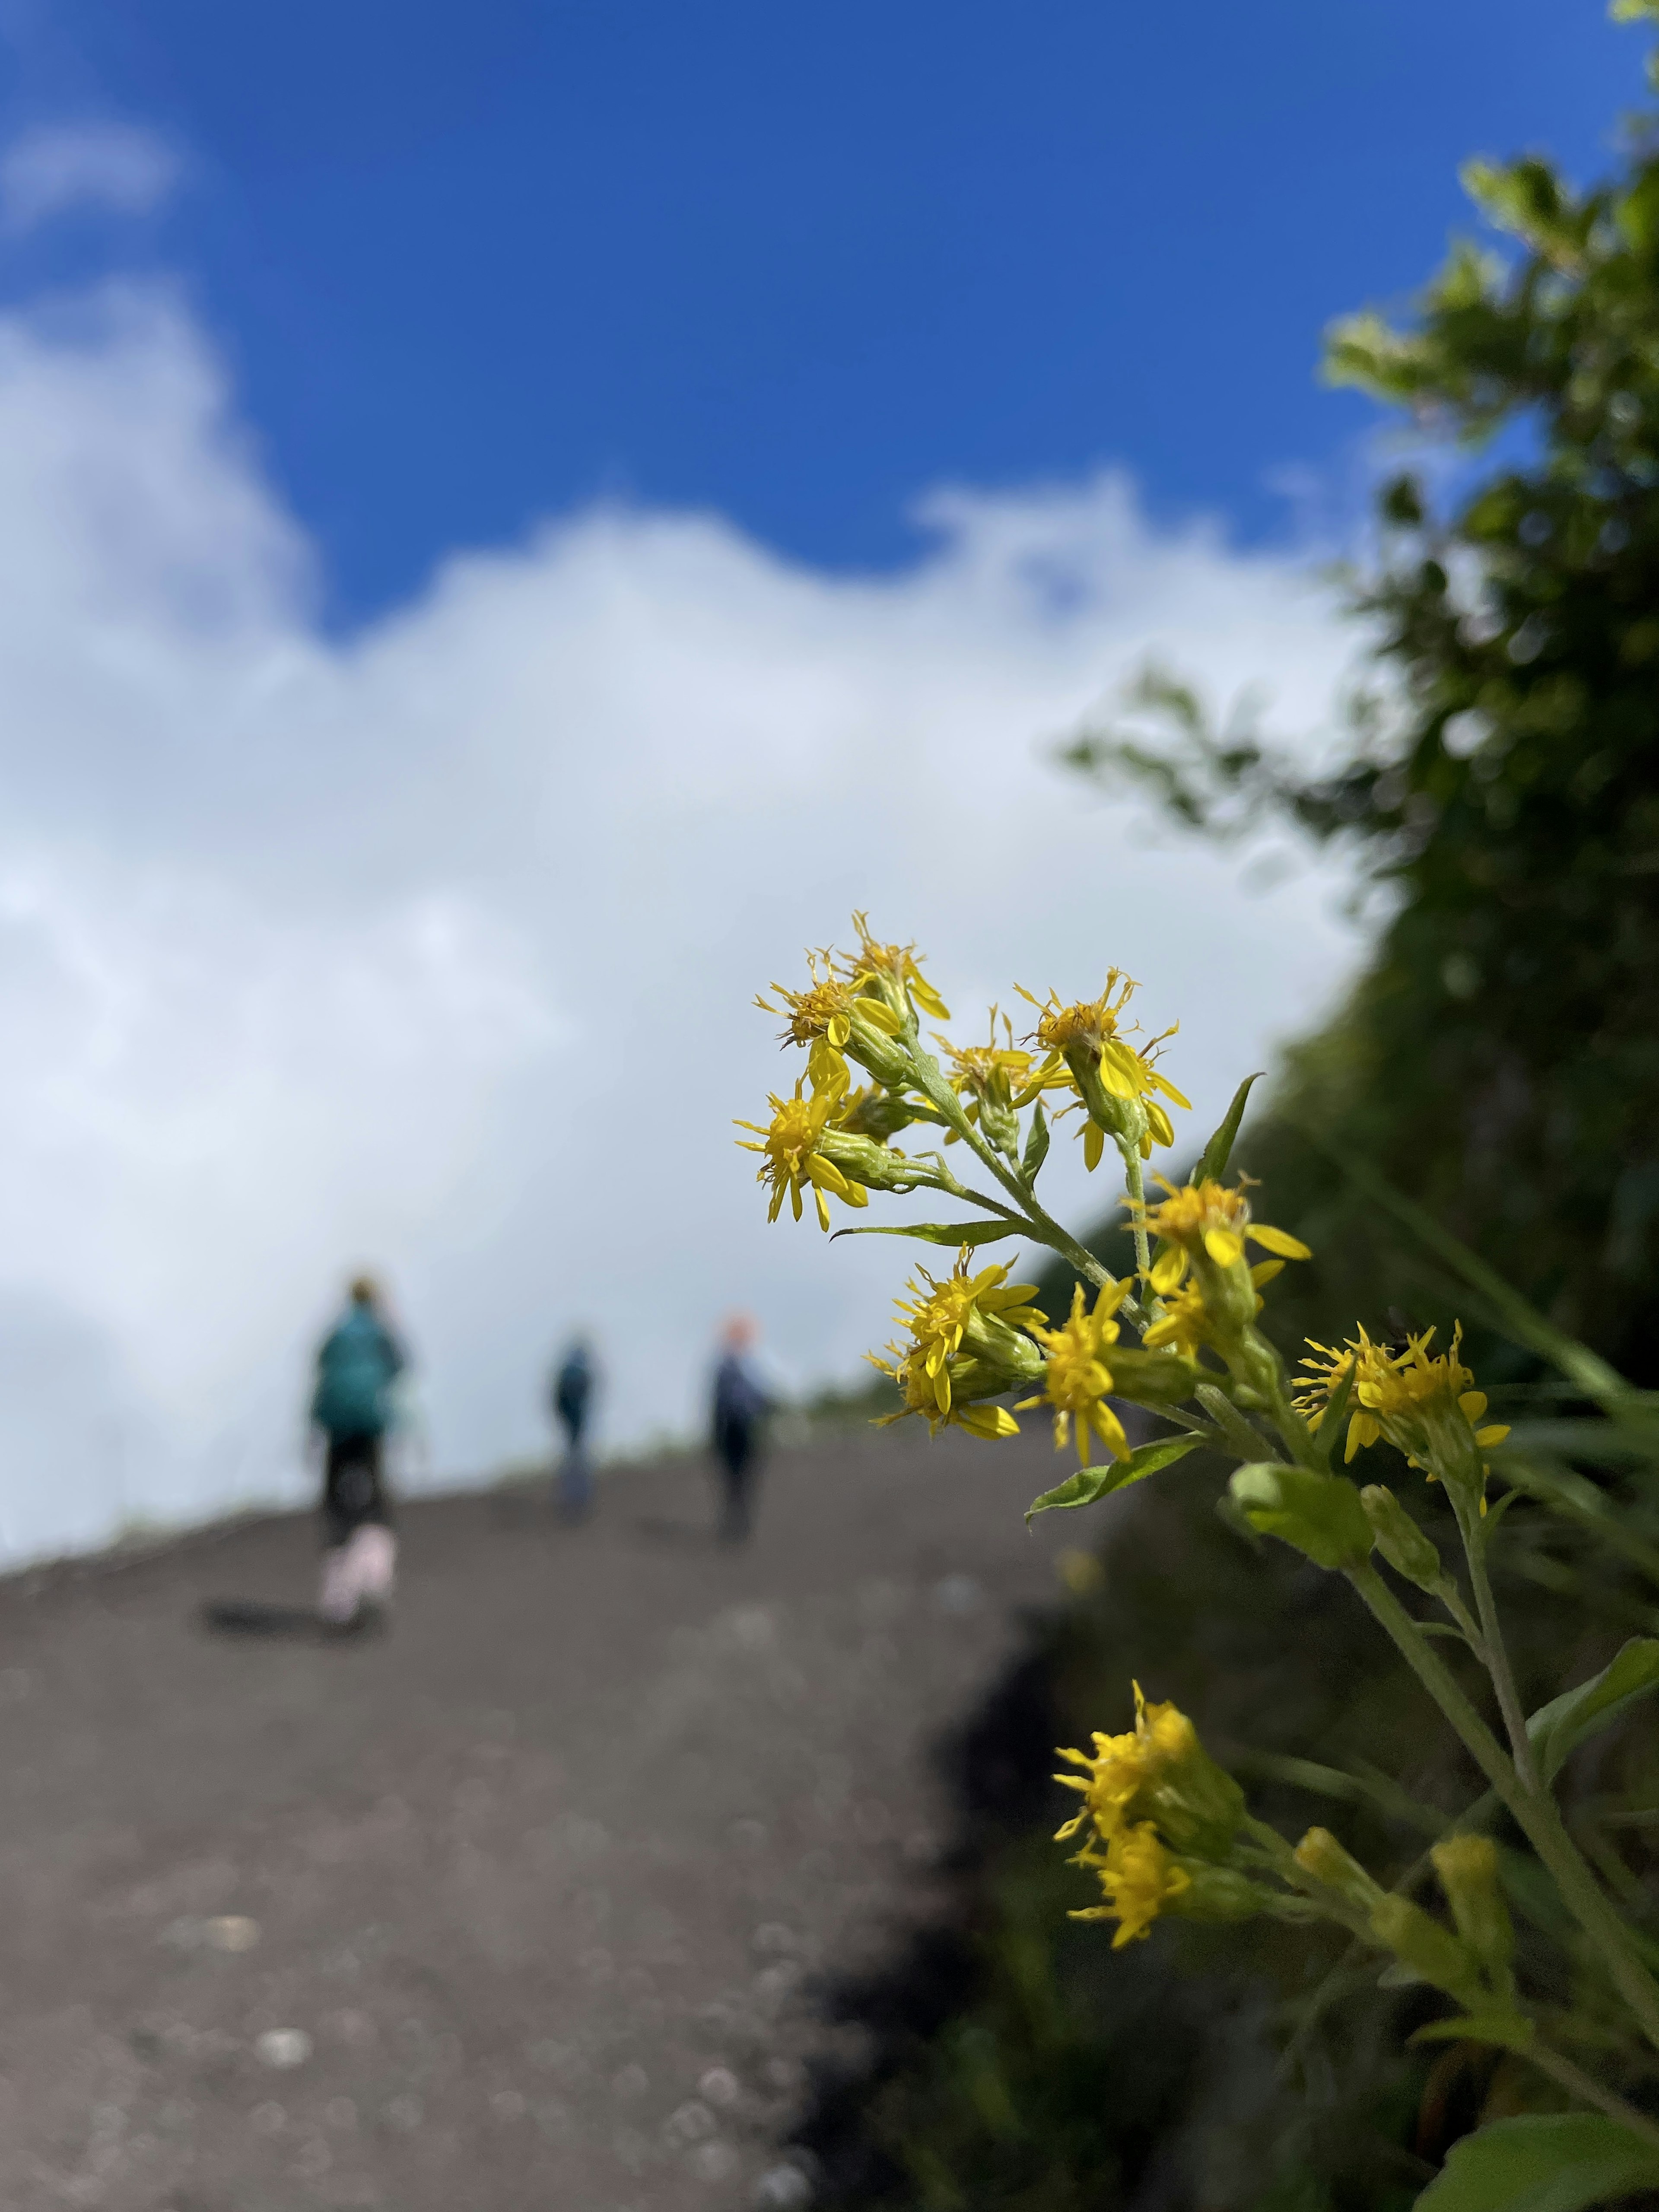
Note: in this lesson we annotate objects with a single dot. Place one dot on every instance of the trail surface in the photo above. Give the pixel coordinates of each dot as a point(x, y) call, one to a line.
point(519, 1908)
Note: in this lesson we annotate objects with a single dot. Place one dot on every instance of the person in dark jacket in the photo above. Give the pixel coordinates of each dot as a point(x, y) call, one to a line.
point(574, 1380)
point(741, 1407)
point(356, 1366)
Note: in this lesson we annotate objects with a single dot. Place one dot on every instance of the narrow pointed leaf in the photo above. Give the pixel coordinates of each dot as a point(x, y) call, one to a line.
point(1036, 1145)
point(1556, 1727)
point(1330, 1421)
point(1090, 1483)
point(1543, 2162)
point(941, 1233)
point(1219, 1150)
point(1510, 2031)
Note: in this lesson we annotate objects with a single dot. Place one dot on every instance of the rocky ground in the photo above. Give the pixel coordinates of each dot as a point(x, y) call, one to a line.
point(521, 1907)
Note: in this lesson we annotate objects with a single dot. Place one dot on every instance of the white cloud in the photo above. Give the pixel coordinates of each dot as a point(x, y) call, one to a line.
point(434, 948)
point(53, 168)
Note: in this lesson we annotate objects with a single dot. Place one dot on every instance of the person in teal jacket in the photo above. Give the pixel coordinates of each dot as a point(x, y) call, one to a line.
point(356, 1366)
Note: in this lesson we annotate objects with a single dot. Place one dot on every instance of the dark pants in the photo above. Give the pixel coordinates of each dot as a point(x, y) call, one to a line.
point(576, 1474)
point(736, 1449)
point(352, 1491)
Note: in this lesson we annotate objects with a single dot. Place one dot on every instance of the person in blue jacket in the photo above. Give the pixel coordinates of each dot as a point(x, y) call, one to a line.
point(572, 1394)
point(741, 1403)
point(356, 1366)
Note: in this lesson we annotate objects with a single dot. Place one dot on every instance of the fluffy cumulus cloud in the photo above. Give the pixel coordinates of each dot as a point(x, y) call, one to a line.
point(54, 168)
point(433, 947)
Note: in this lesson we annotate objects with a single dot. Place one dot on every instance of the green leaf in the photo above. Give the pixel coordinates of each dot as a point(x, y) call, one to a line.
point(1510, 2031)
point(1543, 2162)
point(1090, 1483)
point(1320, 1514)
point(1556, 1727)
point(1036, 1145)
point(1330, 1421)
point(941, 1233)
point(1219, 1150)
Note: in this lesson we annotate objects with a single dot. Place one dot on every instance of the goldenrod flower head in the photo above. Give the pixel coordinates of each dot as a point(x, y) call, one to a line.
point(834, 1016)
point(1139, 1879)
point(954, 1382)
point(891, 972)
point(1122, 1766)
point(941, 1314)
point(964, 1345)
point(1207, 1217)
point(1159, 1771)
point(791, 1158)
point(989, 1070)
point(1077, 1381)
point(1084, 1043)
point(822, 1010)
point(1425, 1404)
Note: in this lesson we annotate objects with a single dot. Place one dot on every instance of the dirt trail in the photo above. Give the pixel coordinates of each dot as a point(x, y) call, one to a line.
point(520, 1909)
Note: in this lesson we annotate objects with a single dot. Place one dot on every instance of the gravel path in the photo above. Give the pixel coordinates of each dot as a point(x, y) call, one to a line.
point(519, 1908)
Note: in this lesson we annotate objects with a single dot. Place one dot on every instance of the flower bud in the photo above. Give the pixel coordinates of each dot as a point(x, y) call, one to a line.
point(1320, 1855)
point(1467, 1867)
point(1320, 1514)
point(872, 1041)
point(1400, 1541)
point(861, 1160)
point(1196, 1803)
point(1428, 1950)
point(1153, 1378)
point(1219, 1892)
point(1001, 1349)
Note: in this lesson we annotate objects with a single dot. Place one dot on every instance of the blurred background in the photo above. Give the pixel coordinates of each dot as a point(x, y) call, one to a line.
point(517, 519)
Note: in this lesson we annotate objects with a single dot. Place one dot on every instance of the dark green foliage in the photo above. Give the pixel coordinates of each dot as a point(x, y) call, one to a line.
point(1022, 2065)
point(1499, 1059)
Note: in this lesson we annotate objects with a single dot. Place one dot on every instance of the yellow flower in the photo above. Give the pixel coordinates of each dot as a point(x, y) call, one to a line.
point(1185, 1323)
point(1077, 1381)
point(921, 1393)
point(792, 1160)
point(890, 972)
point(1425, 1404)
point(1085, 1040)
point(940, 1316)
point(978, 1071)
point(1122, 1765)
point(822, 1010)
point(832, 1017)
point(1138, 1878)
point(1208, 1218)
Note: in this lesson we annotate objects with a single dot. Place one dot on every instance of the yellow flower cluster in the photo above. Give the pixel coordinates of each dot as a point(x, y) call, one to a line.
point(965, 1345)
point(1157, 1810)
point(1425, 1404)
point(793, 1159)
point(1087, 1052)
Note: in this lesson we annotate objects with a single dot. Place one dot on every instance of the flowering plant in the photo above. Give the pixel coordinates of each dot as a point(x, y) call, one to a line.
point(1162, 1828)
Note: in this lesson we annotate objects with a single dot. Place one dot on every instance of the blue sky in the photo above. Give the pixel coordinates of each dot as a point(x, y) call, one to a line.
point(474, 264)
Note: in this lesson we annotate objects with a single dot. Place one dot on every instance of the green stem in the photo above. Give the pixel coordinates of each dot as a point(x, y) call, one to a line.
point(1536, 1815)
point(1577, 2083)
point(931, 1082)
point(1135, 1184)
point(1496, 1656)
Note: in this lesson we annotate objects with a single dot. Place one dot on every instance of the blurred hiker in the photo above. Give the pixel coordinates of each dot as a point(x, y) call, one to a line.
point(574, 1382)
point(357, 1366)
point(741, 1404)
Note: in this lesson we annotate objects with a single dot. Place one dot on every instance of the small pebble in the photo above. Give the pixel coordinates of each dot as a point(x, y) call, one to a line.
point(284, 2047)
